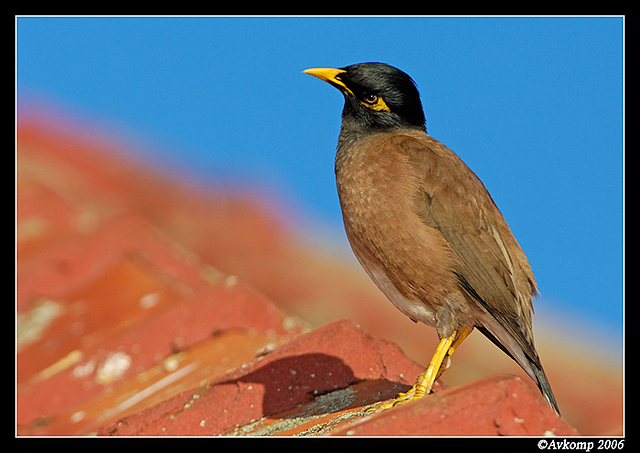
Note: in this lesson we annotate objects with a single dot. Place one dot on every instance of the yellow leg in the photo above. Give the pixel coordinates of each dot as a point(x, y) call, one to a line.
point(436, 367)
point(460, 337)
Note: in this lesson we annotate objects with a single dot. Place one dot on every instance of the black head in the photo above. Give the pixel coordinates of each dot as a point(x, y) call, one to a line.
point(377, 97)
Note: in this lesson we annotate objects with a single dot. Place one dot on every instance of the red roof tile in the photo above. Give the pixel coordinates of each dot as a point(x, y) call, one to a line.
point(146, 307)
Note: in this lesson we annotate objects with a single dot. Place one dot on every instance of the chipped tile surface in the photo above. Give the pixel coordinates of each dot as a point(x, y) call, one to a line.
point(141, 309)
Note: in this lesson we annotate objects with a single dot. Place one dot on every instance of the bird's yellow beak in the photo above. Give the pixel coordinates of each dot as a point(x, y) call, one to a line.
point(329, 75)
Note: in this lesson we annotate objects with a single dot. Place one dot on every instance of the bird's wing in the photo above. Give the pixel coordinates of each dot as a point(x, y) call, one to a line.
point(493, 270)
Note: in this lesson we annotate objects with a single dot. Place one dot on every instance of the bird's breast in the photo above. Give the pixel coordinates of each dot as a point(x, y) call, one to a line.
point(408, 261)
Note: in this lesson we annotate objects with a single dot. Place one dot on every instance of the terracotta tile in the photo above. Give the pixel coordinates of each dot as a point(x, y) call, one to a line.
point(495, 406)
point(197, 262)
point(327, 412)
point(327, 359)
point(177, 373)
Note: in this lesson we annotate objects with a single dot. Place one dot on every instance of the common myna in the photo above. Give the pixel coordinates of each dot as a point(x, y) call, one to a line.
point(424, 227)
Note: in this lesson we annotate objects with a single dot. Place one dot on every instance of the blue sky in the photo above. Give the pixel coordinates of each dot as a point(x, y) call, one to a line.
point(533, 105)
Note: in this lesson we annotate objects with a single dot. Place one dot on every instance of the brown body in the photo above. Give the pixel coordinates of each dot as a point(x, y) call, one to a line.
point(419, 237)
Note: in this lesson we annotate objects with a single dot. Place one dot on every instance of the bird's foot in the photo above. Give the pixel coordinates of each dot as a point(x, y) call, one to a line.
point(415, 393)
point(439, 363)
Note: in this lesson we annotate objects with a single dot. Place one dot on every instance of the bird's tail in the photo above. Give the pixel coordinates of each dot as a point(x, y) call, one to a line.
point(541, 380)
point(531, 365)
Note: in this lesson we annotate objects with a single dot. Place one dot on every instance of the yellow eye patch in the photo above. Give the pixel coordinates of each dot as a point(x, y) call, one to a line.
point(379, 105)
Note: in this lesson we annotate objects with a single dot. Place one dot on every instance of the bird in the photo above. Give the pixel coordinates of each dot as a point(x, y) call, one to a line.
point(425, 228)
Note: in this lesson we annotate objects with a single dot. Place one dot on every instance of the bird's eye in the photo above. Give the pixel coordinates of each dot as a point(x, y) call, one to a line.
point(374, 102)
point(370, 98)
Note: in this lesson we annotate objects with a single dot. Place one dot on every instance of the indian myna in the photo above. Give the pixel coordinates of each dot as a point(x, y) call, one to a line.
point(424, 227)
